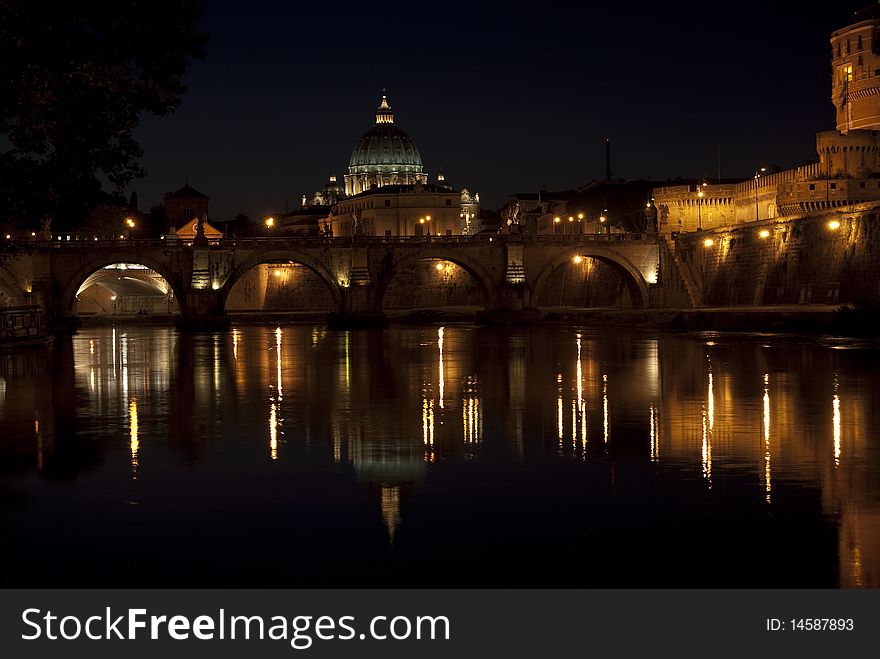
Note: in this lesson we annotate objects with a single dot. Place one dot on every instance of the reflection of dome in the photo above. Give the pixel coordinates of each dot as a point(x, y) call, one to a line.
point(385, 155)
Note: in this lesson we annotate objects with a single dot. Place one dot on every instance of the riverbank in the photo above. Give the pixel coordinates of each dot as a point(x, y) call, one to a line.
point(855, 321)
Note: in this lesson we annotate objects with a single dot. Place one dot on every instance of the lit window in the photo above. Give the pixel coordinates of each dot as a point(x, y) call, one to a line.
point(848, 72)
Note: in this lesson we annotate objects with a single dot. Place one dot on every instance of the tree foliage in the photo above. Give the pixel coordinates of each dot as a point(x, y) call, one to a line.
point(75, 79)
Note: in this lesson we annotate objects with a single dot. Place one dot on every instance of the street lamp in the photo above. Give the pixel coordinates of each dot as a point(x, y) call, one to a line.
point(603, 218)
point(270, 222)
point(757, 176)
point(700, 195)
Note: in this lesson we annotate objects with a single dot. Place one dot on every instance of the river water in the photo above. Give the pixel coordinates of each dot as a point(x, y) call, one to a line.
point(439, 456)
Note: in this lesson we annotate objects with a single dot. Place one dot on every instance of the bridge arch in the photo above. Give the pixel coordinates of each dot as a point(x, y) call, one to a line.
point(478, 273)
point(281, 255)
point(70, 288)
point(632, 278)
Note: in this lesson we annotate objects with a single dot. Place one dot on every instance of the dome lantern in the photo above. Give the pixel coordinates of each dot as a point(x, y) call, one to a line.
point(384, 115)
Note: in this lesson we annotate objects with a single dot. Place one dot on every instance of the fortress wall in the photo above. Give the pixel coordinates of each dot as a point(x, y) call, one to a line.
point(801, 261)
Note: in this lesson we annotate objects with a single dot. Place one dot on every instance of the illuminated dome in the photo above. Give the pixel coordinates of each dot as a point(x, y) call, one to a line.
point(385, 155)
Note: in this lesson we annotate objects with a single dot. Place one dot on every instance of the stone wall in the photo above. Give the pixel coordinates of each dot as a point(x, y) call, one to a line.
point(828, 258)
point(590, 283)
point(280, 287)
point(424, 285)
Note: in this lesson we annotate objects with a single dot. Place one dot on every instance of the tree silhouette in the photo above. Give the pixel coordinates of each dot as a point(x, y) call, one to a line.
point(75, 79)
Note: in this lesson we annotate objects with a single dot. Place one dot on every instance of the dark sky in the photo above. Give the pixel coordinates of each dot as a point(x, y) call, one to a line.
point(504, 99)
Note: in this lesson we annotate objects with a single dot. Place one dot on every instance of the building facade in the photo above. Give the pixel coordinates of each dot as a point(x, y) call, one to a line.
point(405, 210)
point(848, 167)
point(386, 193)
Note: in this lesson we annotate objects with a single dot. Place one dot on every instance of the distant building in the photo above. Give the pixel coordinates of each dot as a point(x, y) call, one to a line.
point(848, 170)
point(185, 205)
point(385, 155)
point(404, 210)
point(386, 193)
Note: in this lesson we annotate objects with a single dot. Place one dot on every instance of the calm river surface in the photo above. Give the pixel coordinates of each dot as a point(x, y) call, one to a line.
point(427, 456)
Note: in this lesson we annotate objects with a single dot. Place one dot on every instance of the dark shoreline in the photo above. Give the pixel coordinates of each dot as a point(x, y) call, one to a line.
point(848, 321)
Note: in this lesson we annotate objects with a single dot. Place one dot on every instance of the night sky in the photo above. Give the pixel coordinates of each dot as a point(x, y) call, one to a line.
point(503, 99)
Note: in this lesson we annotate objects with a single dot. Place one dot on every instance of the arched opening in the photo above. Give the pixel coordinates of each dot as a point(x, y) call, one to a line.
point(581, 281)
point(434, 283)
point(281, 286)
point(120, 290)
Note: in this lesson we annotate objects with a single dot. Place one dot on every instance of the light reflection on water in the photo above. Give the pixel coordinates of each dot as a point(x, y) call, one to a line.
point(734, 462)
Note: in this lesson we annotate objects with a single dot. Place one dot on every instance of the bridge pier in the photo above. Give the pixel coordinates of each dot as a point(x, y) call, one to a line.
point(203, 310)
point(509, 305)
point(358, 309)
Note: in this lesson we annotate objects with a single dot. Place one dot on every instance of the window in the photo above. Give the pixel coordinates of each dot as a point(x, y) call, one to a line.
point(448, 232)
point(387, 233)
point(838, 49)
point(834, 186)
point(860, 60)
point(812, 186)
point(859, 45)
point(862, 185)
point(847, 73)
point(449, 202)
point(387, 202)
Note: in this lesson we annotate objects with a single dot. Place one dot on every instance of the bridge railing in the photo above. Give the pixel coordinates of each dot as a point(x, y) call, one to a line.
point(257, 242)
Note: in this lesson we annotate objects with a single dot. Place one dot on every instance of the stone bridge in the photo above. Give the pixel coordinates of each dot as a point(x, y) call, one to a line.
point(509, 270)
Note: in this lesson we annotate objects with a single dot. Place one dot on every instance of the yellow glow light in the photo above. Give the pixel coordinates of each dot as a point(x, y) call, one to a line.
point(557, 219)
point(421, 220)
point(834, 225)
point(270, 221)
point(570, 218)
point(580, 216)
point(709, 242)
point(764, 233)
point(578, 258)
point(428, 218)
point(439, 266)
point(278, 273)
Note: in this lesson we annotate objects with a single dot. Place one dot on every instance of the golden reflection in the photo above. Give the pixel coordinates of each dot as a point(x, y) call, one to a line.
point(835, 405)
point(559, 408)
point(768, 480)
point(39, 440)
point(427, 421)
point(706, 451)
point(273, 432)
point(655, 435)
point(391, 508)
point(605, 420)
point(91, 346)
point(440, 346)
point(710, 397)
point(347, 361)
point(275, 405)
point(235, 344)
point(133, 431)
point(278, 361)
point(472, 419)
point(580, 376)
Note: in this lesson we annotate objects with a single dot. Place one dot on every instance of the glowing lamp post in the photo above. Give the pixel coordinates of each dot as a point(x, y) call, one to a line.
point(700, 195)
point(757, 176)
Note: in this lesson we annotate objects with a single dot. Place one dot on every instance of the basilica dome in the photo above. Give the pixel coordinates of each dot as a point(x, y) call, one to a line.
point(385, 155)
